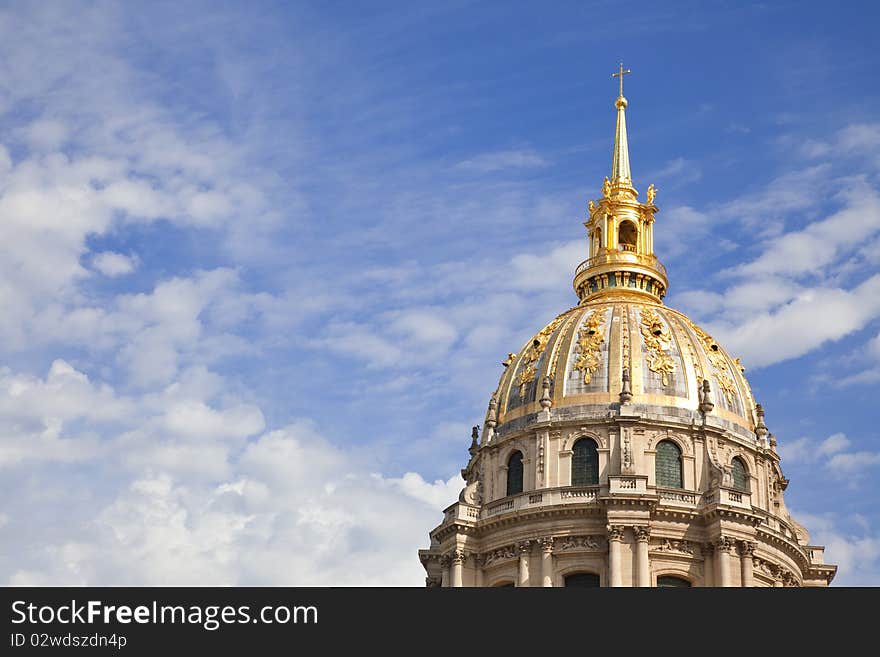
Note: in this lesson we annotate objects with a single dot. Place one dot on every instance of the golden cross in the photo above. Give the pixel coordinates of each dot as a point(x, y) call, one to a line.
point(620, 75)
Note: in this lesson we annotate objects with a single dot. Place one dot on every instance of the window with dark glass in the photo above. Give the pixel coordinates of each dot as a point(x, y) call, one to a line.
point(670, 581)
point(584, 463)
point(740, 475)
point(588, 580)
point(515, 473)
point(668, 468)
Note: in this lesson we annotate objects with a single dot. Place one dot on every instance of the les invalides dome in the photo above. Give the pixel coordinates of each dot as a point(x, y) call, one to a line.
point(623, 446)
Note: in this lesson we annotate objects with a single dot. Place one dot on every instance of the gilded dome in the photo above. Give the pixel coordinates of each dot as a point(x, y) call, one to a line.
point(623, 446)
point(585, 350)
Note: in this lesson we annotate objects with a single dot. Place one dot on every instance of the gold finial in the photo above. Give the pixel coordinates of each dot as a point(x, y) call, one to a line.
point(620, 73)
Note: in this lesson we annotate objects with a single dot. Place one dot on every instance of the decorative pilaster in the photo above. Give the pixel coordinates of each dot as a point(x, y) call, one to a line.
point(723, 547)
point(547, 560)
point(525, 549)
point(747, 551)
point(708, 550)
point(615, 538)
point(643, 570)
point(457, 558)
point(445, 562)
point(479, 562)
point(627, 466)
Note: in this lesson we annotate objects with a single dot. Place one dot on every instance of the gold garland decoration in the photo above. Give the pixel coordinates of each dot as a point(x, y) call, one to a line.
point(534, 351)
point(658, 340)
point(590, 338)
point(716, 358)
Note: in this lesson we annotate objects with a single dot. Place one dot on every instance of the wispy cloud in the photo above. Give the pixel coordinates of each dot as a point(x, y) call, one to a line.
point(502, 161)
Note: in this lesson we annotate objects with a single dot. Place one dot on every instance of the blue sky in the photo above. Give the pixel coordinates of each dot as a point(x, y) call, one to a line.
point(260, 262)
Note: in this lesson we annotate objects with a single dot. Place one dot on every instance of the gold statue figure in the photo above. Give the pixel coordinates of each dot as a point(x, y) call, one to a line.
point(606, 187)
point(652, 192)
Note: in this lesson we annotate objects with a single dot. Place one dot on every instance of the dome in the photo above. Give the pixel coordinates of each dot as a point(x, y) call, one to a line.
point(622, 446)
point(585, 350)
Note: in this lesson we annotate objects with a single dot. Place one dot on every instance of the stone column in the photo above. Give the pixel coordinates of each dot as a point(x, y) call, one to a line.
point(746, 550)
point(547, 561)
point(722, 560)
point(479, 562)
point(708, 564)
point(458, 558)
point(615, 570)
point(643, 570)
point(445, 561)
point(525, 549)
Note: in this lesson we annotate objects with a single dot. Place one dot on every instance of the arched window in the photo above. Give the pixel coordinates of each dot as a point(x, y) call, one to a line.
point(515, 473)
point(670, 581)
point(668, 465)
point(627, 236)
point(740, 474)
point(584, 463)
point(586, 580)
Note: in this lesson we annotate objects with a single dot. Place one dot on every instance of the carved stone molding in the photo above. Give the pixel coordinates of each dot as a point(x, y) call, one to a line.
point(680, 440)
point(725, 544)
point(615, 532)
point(458, 557)
point(583, 432)
point(642, 533)
point(578, 544)
point(680, 547)
point(546, 543)
point(501, 554)
point(524, 547)
point(747, 548)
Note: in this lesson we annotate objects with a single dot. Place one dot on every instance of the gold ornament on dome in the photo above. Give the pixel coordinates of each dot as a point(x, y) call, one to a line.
point(658, 340)
point(533, 353)
point(719, 362)
point(590, 338)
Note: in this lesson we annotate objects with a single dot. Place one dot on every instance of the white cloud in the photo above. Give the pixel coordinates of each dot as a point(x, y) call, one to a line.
point(772, 336)
point(856, 554)
point(851, 462)
point(193, 419)
point(834, 443)
point(831, 453)
point(678, 171)
point(46, 134)
point(502, 160)
point(820, 243)
point(111, 264)
point(293, 510)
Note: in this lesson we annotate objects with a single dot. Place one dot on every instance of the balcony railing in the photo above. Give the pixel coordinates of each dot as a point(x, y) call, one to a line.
point(621, 257)
point(677, 497)
point(544, 497)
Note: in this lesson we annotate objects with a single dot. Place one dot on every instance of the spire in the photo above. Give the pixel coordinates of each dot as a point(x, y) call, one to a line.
point(621, 230)
point(620, 174)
